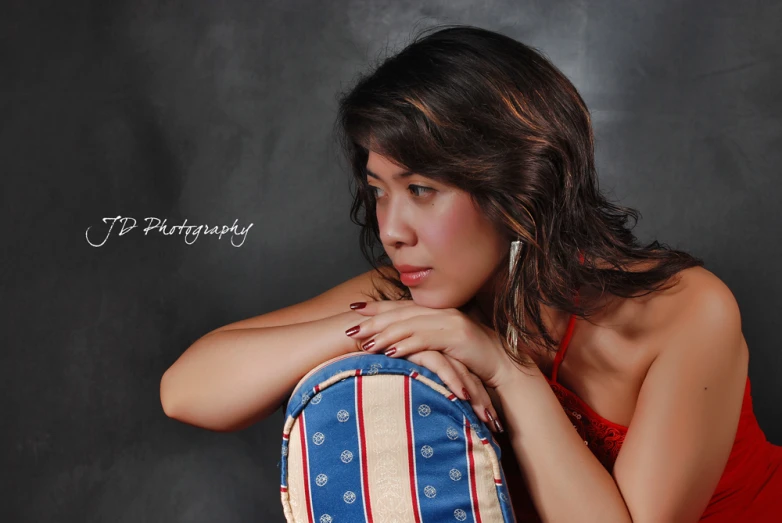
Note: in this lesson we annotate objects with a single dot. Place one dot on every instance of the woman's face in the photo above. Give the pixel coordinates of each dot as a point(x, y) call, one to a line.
point(427, 224)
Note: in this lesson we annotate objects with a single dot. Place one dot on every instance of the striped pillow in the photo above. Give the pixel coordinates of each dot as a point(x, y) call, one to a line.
point(379, 439)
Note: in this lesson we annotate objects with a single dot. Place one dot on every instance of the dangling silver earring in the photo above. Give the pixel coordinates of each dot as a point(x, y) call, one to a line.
point(515, 250)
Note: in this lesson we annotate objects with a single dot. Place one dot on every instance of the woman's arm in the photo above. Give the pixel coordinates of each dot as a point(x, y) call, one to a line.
point(230, 379)
point(565, 480)
point(677, 444)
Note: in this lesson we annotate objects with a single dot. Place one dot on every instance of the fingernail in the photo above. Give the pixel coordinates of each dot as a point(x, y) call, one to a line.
point(368, 345)
point(351, 331)
point(488, 415)
point(498, 426)
point(466, 394)
point(390, 351)
point(358, 305)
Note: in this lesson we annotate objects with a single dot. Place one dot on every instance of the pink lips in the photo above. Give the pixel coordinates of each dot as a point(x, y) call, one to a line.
point(414, 278)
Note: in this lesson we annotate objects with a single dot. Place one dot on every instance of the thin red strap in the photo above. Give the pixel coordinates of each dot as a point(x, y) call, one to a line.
point(563, 345)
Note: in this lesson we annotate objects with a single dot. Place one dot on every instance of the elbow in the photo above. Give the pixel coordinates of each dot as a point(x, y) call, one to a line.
point(166, 399)
point(215, 419)
point(172, 402)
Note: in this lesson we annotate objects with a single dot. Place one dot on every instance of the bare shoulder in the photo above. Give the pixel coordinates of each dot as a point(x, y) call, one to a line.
point(701, 294)
point(697, 299)
point(610, 356)
point(363, 287)
point(699, 303)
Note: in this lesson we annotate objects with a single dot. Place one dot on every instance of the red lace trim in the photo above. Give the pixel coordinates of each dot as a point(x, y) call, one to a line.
point(604, 438)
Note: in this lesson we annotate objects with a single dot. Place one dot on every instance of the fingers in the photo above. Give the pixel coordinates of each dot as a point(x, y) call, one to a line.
point(407, 329)
point(381, 314)
point(380, 332)
point(376, 307)
point(481, 402)
point(436, 362)
point(463, 383)
point(372, 308)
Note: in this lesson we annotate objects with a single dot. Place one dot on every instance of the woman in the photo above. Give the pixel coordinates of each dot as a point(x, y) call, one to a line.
point(462, 144)
point(502, 149)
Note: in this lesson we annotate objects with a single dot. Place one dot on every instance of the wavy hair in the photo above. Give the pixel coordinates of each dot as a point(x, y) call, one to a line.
point(480, 111)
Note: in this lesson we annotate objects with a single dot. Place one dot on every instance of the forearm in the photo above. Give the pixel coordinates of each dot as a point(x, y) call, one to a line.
point(230, 379)
point(565, 480)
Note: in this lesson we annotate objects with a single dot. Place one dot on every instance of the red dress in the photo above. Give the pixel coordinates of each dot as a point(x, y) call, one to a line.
point(750, 489)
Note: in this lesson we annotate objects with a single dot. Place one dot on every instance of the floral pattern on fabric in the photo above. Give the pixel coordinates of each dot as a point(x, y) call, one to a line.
point(603, 437)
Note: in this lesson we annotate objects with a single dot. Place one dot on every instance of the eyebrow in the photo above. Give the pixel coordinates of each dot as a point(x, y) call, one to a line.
point(403, 174)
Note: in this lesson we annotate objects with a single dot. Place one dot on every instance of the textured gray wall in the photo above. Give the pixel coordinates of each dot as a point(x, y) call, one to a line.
point(218, 112)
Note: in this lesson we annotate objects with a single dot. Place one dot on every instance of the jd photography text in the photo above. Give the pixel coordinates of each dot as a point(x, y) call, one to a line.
point(97, 236)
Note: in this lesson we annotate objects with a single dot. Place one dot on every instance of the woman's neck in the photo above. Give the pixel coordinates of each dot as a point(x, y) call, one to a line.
point(554, 320)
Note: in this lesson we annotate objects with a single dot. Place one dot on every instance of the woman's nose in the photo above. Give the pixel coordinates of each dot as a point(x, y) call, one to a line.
point(395, 226)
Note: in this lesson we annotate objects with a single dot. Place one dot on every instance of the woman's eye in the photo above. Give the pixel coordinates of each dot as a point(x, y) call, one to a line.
point(417, 190)
point(425, 190)
point(373, 190)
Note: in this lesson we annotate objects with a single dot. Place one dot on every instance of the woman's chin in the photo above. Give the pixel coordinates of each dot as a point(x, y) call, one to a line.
point(431, 300)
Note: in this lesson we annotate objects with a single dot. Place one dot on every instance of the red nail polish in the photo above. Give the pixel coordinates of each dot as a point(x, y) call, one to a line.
point(498, 426)
point(351, 331)
point(488, 415)
point(466, 394)
point(368, 345)
point(390, 351)
point(358, 305)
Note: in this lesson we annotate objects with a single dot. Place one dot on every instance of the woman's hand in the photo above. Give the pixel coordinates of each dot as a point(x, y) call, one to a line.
point(464, 353)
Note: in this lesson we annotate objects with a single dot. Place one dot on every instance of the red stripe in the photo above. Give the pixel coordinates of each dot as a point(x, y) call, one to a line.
point(411, 449)
point(473, 486)
point(363, 438)
point(305, 467)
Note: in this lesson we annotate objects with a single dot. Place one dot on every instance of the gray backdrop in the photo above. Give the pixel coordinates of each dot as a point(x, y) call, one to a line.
point(214, 112)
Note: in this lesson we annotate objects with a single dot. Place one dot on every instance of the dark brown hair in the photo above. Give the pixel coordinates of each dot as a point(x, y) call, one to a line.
point(482, 112)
